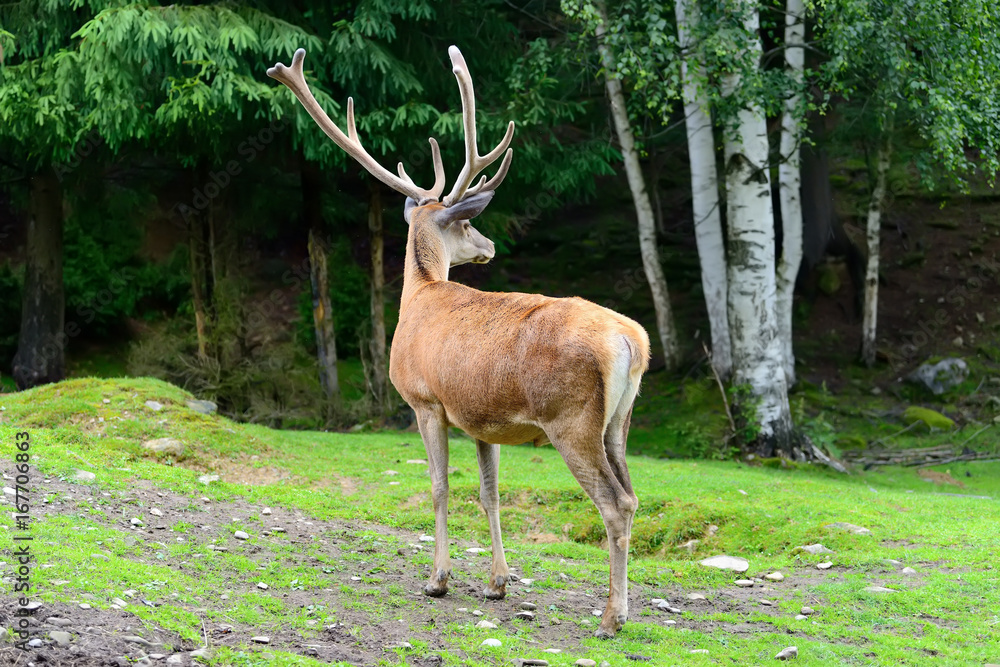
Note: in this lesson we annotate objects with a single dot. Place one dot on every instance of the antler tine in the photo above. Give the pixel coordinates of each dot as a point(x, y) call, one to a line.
point(497, 179)
point(436, 189)
point(474, 162)
point(295, 80)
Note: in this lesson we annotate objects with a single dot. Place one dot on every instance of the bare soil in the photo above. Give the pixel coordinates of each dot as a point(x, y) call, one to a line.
point(359, 637)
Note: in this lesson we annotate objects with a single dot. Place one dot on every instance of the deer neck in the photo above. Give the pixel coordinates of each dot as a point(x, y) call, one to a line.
point(427, 259)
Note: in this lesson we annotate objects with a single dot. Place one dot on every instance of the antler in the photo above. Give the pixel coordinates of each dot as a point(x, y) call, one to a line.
point(296, 82)
point(474, 162)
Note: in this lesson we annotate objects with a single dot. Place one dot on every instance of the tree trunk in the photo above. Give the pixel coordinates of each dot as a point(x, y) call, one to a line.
point(379, 366)
point(201, 260)
point(874, 226)
point(789, 185)
point(41, 349)
point(705, 192)
point(326, 343)
point(643, 208)
point(757, 352)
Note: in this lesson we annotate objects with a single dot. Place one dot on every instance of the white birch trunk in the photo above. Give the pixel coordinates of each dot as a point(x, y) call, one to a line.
point(643, 207)
point(757, 352)
point(704, 191)
point(874, 226)
point(789, 185)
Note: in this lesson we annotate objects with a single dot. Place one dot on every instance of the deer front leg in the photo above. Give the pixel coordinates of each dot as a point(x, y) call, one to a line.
point(489, 496)
point(434, 431)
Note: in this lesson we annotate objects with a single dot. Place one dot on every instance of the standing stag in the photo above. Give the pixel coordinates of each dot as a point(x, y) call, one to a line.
point(505, 368)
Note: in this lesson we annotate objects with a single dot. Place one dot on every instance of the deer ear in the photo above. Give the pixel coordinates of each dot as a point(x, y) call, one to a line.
point(408, 209)
point(466, 209)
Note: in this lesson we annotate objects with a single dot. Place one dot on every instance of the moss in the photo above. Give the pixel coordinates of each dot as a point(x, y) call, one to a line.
point(851, 442)
point(829, 281)
point(932, 418)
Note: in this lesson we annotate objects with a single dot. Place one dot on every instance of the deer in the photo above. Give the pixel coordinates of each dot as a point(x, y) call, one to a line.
point(506, 368)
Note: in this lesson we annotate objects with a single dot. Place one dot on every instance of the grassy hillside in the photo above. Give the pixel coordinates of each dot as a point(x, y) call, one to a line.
point(340, 551)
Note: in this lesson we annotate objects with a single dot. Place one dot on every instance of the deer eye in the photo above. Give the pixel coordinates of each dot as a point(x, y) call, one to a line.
point(466, 225)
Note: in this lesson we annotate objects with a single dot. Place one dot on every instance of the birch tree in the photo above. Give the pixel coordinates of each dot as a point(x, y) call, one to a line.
point(790, 182)
point(757, 348)
point(704, 188)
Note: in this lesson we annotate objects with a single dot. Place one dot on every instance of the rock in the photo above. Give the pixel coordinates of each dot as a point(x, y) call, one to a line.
point(553, 651)
point(84, 605)
point(665, 606)
point(156, 512)
point(585, 662)
point(476, 612)
point(880, 589)
point(136, 522)
point(596, 612)
point(241, 535)
point(534, 662)
point(175, 659)
point(32, 606)
point(119, 602)
point(525, 615)
point(262, 586)
point(554, 621)
point(744, 583)
point(908, 571)
point(800, 617)
point(807, 611)
point(261, 639)
point(208, 479)
point(695, 596)
point(699, 650)
point(733, 563)
point(527, 582)
point(157, 656)
point(932, 418)
point(767, 603)
point(133, 639)
point(266, 511)
point(36, 643)
point(495, 643)
point(204, 407)
point(155, 406)
point(60, 637)
point(59, 622)
point(476, 550)
point(486, 625)
point(426, 538)
point(825, 565)
point(85, 476)
point(691, 546)
point(813, 549)
point(171, 446)
point(787, 653)
point(774, 576)
point(205, 653)
point(527, 606)
point(849, 527)
point(942, 376)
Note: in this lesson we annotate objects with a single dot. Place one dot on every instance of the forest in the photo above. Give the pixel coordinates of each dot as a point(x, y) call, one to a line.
point(210, 341)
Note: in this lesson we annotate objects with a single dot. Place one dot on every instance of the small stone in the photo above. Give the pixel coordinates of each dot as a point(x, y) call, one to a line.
point(744, 583)
point(208, 479)
point(774, 576)
point(880, 589)
point(527, 606)
point(476, 612)
point(84, 605)
point(404, 645)
point(908, 570)
point(825, 565)
point(670, 622)
point(596, 612)
point(204, 407)
point(800, 617)
point(727, 563)
point(205, 653)
point(260, 639)
point(554, 621)
point(807, 611)
point(262, 586)
point(119, 602)
point(534, 662)
point(85, 476)
point(426, 538)
point(486, 625)
point(494, 643)
point(136, 522)
point(156, 512)
point(133, 639)
point(691, 546)
point(849, 527)
point(525, 615)
point(553, 651)
point(155, 406)
point(814, 549)
point(665, 606)
point(175, 659)
point(699, 650)
point(767, 603)
point(585, 662)
point(157, 656)
point(60, 637)
point(170, 446)
point(241, 535)
point(59, 622)
point(390, 473)
point(656, 600)
point(695, 596)
point(36, 643)
point(266, 511)
point(32, 606)
point(787, 653)
point(476, 550)
point(527, 582)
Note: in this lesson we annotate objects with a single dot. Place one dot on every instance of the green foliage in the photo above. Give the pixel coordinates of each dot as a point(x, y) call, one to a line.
point(932, 418)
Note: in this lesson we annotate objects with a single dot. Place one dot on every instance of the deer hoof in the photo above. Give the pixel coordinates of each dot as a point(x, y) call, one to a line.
point(496, 588)
point(435, 589)
point(603, 633)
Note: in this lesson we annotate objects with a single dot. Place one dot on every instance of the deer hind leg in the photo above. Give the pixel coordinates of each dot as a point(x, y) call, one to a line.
point(434, 431)
point(489, 496)
point(588, 461)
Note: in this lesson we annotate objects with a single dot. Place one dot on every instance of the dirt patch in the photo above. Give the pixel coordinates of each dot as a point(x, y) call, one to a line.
point(379, 605)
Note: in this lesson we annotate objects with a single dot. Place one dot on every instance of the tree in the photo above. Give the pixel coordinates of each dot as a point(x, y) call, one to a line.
point(921, 66)
point(704, 187)
point(595, 18)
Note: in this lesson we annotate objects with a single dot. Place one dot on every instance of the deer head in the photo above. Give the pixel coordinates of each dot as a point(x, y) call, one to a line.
point(460, 243)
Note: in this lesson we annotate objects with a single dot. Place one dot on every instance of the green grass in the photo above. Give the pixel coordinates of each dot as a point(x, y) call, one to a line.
point(762, 514)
